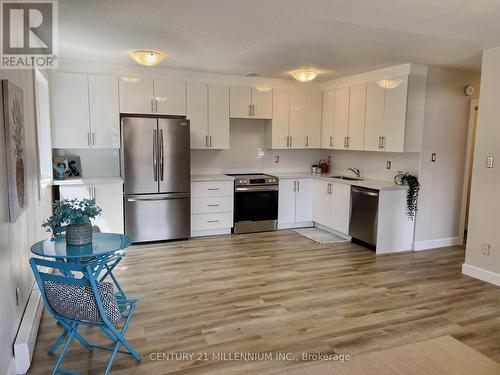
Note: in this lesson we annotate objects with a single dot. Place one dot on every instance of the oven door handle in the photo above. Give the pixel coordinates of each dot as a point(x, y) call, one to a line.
point(256, 188)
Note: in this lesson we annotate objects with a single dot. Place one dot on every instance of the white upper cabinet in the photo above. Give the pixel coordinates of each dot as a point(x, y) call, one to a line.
point(85, 111)
point(208, 112)
point(313, 119)
point(341, 118)
point(249, 102)
point(71, 126)
point(262, 104)
point(240, 102)
point(357, 104)
point(136, 95)
point(277, 132)
point(395, 115)
point(297, 129)
point(197, 114)
point(374, 121)
point(158, 96)
point(104, 111)
point(327, 119)
point(170, 97)
point(218, 116)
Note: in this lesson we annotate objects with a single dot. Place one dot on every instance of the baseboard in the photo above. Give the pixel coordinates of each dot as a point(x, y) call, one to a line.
point(481, 274)
point(28, 330)
point(210, 232)
point(306, 224)
point(434, 244)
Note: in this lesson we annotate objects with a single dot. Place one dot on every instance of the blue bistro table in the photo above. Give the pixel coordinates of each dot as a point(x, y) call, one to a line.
point(103, 254)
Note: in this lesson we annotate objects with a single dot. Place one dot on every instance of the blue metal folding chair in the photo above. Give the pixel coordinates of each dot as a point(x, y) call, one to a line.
point(74, 301)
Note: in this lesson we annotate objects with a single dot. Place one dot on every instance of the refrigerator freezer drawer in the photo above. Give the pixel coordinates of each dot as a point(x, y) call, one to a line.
point(157, 217)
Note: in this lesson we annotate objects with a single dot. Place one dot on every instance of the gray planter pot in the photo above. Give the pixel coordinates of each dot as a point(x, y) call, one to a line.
point(78, 234)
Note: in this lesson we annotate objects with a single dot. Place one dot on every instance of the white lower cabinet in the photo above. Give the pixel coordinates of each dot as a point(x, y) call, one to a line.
point(332, 205)
point(295, 204)
point(108, 196)
point(211, 207)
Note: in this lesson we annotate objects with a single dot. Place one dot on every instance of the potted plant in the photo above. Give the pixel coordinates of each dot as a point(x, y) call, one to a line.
point(74, 215)
point(412, 193)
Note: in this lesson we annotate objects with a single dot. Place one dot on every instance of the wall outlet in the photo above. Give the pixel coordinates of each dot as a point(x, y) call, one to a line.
point(329, 159)
point(276, 159)
point(489, 162)
point(433, 157)
point(388, 164)
point(486, 249)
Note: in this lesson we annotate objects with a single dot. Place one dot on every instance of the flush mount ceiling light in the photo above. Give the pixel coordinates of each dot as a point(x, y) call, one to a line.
point(304, 75)
point(389, 83)
point(147, 57)
point(263, 88)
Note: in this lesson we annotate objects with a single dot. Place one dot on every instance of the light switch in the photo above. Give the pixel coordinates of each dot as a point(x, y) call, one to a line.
point(489, 162)
point(276, 159)
point(433, 157)
point(388, 164)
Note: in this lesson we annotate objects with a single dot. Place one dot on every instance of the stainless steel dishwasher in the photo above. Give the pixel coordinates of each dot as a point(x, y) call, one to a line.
point(364, 215)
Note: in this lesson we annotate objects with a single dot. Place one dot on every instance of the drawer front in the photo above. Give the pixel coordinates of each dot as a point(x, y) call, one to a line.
point(212, 189)
point(211, 205)
point(211, 221)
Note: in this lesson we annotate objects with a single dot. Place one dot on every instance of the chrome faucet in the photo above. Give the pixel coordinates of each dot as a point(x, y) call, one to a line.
point(356, 171)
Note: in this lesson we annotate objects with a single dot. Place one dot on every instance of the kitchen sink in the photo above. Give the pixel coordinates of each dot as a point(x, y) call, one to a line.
point(347, 178)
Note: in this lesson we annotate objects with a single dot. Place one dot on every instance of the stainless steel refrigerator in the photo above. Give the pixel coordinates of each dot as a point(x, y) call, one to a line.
point(155, 166)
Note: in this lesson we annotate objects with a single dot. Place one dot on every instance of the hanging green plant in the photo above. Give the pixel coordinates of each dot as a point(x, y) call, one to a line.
point(411, 194)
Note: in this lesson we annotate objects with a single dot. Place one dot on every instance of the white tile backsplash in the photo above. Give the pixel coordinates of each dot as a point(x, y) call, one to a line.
point(373, 164)
point(247, 154)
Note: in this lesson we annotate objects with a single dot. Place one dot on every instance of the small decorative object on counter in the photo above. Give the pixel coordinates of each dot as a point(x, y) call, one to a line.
point(59, 168)
point(74, 216)
point(412, 194)
point(315, 169)
point(324, 166)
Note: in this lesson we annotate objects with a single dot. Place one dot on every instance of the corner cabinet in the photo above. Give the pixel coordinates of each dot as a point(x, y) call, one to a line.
point(108, 196)
point(85, 111)
point(295, 203)
point(250, 102)
point(208, 112)
point(152, 96)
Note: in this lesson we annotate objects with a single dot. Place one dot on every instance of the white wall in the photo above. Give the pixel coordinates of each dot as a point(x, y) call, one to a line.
point(373, 164)
point(485, 204)
point(247, 153)
point(16, 238)
point(445, 133)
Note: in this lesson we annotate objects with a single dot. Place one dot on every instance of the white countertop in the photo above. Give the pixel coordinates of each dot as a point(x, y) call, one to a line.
point(88, 181)
point(367, 183)
point(211, 177)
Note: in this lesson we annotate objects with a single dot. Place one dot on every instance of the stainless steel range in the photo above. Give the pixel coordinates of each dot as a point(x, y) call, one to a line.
point(255, 203)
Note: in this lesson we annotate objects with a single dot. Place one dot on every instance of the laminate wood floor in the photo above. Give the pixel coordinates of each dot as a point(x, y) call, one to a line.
point(279, 292)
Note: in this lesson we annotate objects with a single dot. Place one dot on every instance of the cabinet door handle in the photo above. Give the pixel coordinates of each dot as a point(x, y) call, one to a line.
point(250, 110)
point(383, 142)
point(379, 142)
point(90, 191)
point(253, 109)
point(93, 192)
point(348, 141)
point(291, 141)
point(331, 141)
point(212, 205)
point(210, 141)
point(212, 221)
point(287, 141)
point(88, 139)
point(93, 139)
point(298, 185)
point(213, 189)
point(206, 141)
point(307, 141)
point(295, 186)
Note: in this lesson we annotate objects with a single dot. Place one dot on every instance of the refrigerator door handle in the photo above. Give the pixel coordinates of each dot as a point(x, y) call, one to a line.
point(156, 197)
point(161, 154)
point(155, 156)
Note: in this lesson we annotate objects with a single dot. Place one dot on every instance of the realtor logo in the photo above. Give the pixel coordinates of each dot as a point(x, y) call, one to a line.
point(29, 34)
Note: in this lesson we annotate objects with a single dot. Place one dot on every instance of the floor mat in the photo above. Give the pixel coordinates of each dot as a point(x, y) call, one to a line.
point(320, 236)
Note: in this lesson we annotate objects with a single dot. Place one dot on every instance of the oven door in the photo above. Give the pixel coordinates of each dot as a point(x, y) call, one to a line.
point(256, 203)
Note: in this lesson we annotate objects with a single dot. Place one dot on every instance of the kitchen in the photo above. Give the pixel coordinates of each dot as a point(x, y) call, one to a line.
point(291, 179)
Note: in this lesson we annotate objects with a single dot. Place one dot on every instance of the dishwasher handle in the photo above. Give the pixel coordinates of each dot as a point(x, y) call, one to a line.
point(372, 193)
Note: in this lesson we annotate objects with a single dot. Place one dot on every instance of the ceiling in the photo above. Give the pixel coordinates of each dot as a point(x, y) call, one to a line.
point(273, 37)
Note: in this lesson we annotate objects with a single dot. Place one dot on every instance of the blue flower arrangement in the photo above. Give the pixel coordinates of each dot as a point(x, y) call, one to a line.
point(71, 211)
